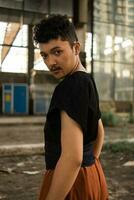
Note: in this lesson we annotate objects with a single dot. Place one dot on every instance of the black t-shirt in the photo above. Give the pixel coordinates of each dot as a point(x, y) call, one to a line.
point(77, 96)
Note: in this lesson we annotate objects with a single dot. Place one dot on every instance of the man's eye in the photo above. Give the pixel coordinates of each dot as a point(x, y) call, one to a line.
point(58, 52)
point(44, 57)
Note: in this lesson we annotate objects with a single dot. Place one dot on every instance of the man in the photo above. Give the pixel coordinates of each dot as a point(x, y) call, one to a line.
point(73, 131)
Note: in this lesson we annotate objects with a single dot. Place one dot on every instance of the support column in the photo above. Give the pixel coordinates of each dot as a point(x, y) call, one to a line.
point(81, 33)
point(30, 65)
point(80, 13)
point(91, 28)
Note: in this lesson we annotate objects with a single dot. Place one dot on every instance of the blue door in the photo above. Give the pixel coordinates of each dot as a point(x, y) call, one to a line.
point(7, 98)
point(20, 102)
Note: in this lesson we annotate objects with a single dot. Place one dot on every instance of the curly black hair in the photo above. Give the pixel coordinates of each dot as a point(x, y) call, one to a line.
point(54, 27)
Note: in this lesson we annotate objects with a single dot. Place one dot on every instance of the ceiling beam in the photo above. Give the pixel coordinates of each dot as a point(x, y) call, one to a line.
point(12, 30)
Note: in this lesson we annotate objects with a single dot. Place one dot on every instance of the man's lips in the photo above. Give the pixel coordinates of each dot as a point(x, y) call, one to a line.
point(55, 70)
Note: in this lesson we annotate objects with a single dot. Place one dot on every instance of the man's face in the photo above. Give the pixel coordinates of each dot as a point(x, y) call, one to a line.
point(59, 57)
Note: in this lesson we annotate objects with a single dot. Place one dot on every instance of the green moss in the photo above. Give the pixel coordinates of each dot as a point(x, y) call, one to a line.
point(131, 119)
point(110, 119)
point(119, 147)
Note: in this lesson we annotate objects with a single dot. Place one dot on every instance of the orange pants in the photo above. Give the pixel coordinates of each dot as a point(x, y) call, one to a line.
point(90, 184)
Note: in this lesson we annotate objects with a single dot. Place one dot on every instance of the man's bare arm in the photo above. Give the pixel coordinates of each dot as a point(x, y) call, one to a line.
point(98, 143)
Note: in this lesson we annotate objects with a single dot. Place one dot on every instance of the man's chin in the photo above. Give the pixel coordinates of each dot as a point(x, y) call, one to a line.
point(58, 75)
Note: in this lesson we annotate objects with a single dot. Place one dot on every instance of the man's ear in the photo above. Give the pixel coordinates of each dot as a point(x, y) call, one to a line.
point(77, 48)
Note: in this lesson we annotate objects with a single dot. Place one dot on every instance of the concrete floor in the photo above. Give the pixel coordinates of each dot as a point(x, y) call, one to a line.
point(24, 136)
point(21, 135)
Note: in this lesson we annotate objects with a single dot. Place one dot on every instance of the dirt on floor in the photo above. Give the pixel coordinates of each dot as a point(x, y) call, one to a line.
point(20, 176)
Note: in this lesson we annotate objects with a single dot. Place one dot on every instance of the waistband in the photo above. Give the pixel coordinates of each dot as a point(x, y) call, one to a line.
point(88, 157)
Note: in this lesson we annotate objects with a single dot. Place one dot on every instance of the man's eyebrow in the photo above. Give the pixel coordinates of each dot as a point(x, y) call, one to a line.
point(42, 53)
point(51, 50)
point(54, 48)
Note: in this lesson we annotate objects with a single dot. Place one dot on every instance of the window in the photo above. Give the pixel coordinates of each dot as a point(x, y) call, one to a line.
point(13, 47)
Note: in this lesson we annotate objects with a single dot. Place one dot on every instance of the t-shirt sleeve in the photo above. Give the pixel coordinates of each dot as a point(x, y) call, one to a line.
point(73, 98)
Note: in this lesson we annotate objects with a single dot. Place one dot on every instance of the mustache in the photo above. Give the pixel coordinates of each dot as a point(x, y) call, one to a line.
point(54, 68)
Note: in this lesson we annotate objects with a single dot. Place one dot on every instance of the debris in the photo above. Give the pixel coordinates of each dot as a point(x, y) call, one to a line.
point(129, 164)
point(8, 170)
point(3, 196)
point(20, 164)
point(31, 172)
